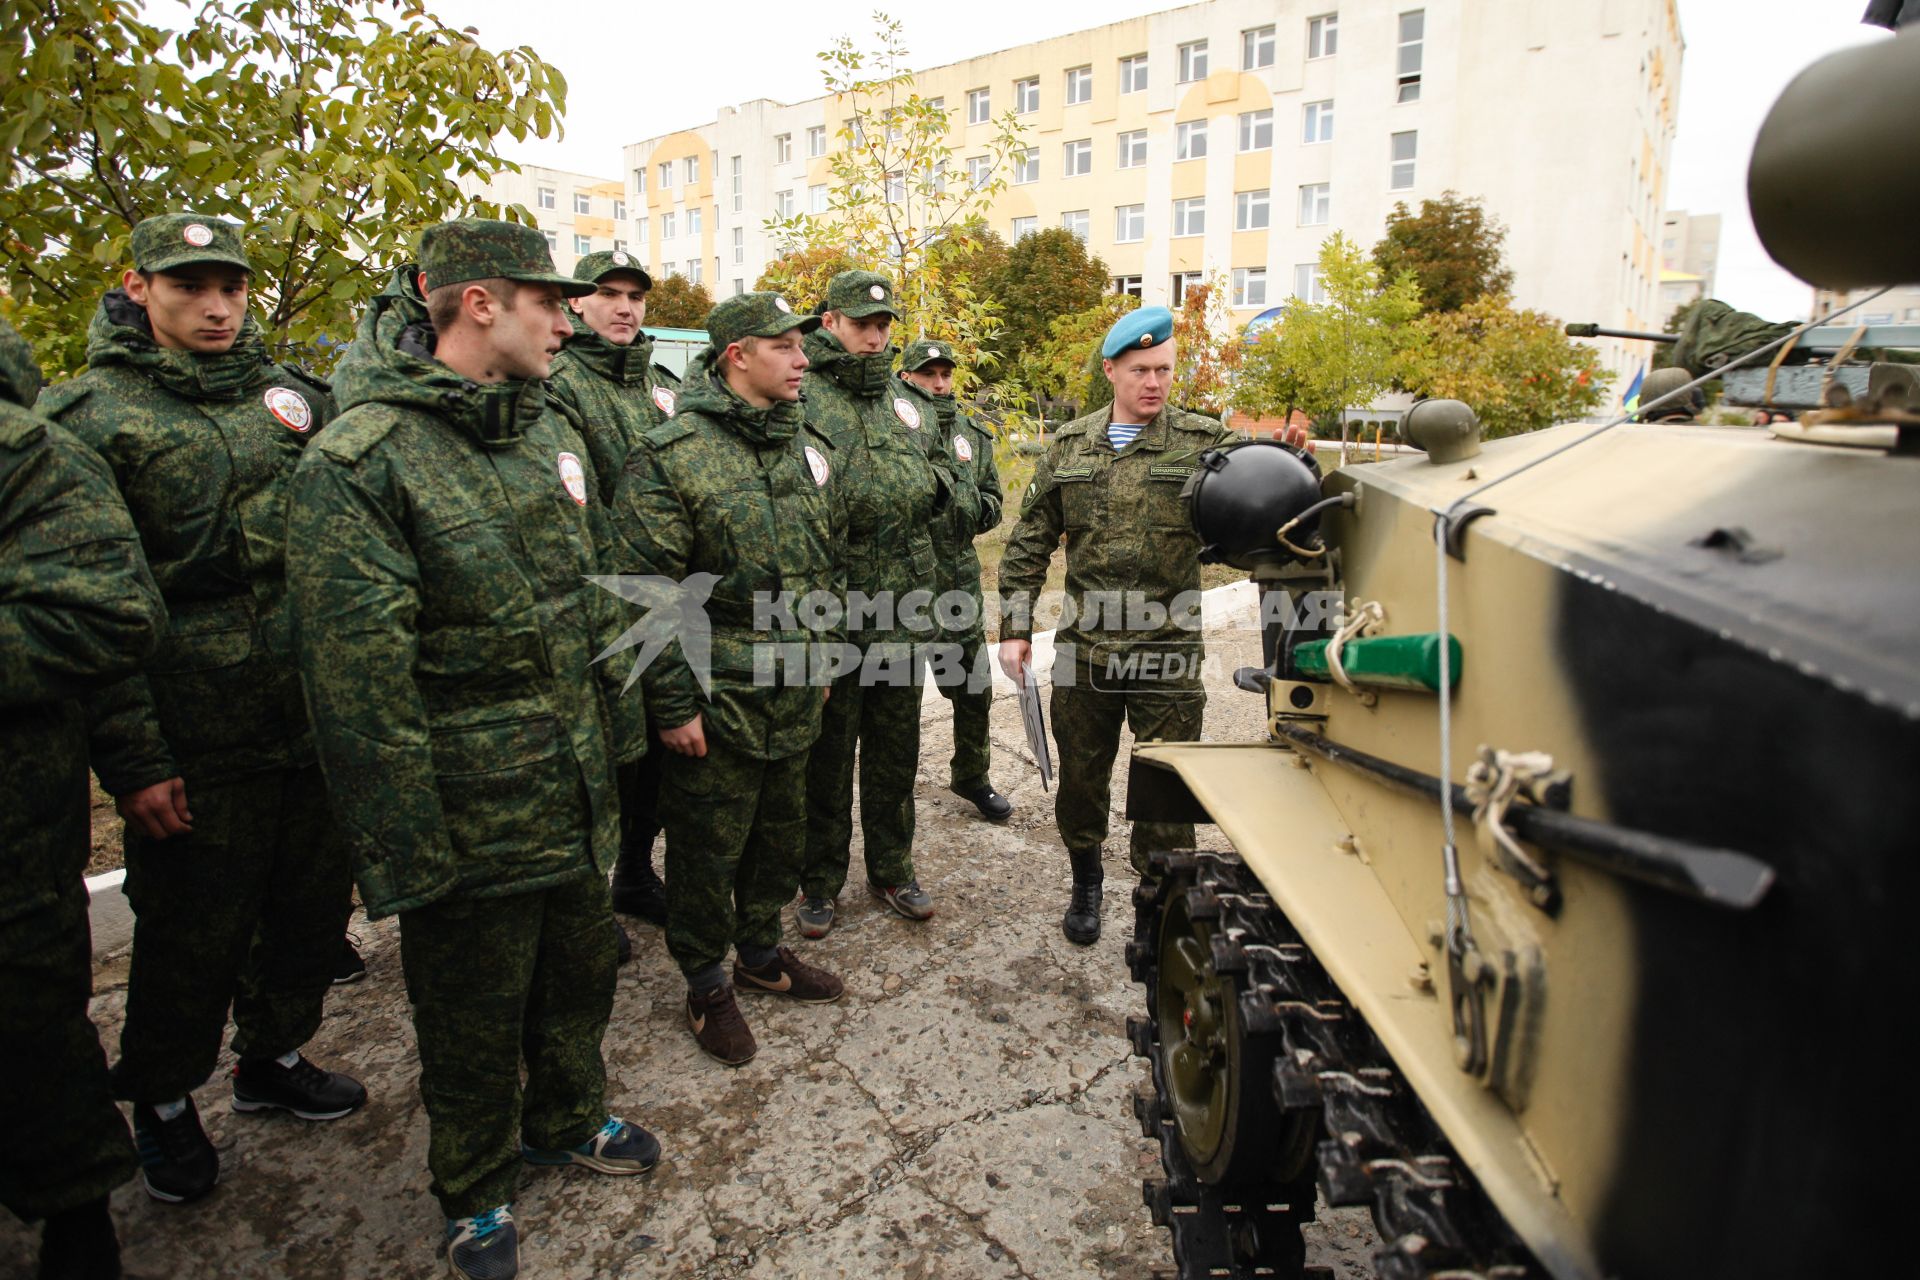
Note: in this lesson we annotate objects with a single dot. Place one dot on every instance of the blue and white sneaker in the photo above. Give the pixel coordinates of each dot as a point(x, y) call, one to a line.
point(619, 1148)
point(485, 1246)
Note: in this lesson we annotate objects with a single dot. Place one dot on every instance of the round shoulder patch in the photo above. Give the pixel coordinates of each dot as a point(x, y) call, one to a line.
point(817, 463)
point(963, 448)
point(197, 235)
point(290, 407)
point(573, 476)
point(903, 409)
point(664, 398)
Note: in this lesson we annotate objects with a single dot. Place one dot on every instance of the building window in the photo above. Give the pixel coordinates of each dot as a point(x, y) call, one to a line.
point(669, 268)
point(640, 233)
point(1024, 227)
point(1406, 148)
point(1129, 223)
point(783, 203)
point(1256, 130)
point(1183, 281)
point(582, 245)
point(619, 210)
point(693, 170)
point(782, 148)
point(1316, 122)
point(1307, 284)
point(1256, 48)
point(738, 179)
point(817, 140)
point(693, 222)
point(896, 188)
point(739, 286)
point(1316, 200)
point(1026, 96)
point(1193, 61)
point(694, 270)
point(553, 241)
point(1127, 286)
point(666, 174)
point(852, 127)
point(1026, 165)
point(1079, 85)
point(739, 245)
point(640, 180)
point(979, 171)
point(1078, 158)
point(1133, 73)
point(582, 202)
point(1078, 222)
point(1190, 217)
point(1252, 210)
point(1190, 140)
point(1133, 149)
point(1323, 35)
point(1413, 29)
point(979, 106)
point(619, 246)
point(1249, 286)
point(669, 226)
point(938, 106)
point(817, 198)
point(546, 198)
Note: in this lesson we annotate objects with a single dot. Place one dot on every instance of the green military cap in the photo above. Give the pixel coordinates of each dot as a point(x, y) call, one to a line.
point(857, 294)
point(481, 249)
point(597, 266)
point(755, 315)
point(925, 352)
point(182, 239)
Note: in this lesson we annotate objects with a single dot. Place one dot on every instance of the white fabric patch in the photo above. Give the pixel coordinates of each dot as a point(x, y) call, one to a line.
point(290, 407)
point(620, 259)
point(663, 398)
point(933, 353)
point(963, 448)
point(196, 235)
point(817, 464)
point(907, 414)
point(783, 306)
point(573, 476)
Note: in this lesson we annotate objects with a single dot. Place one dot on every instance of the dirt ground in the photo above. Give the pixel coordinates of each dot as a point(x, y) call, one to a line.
point(964, 1112)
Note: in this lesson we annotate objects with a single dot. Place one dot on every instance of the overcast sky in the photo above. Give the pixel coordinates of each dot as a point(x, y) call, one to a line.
point(637, 71)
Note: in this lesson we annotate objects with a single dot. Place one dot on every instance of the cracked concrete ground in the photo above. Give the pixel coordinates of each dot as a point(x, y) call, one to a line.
point(963, 1112)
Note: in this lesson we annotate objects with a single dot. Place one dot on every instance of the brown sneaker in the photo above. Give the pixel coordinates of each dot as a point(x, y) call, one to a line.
point(718, 1026)
point(788, 975)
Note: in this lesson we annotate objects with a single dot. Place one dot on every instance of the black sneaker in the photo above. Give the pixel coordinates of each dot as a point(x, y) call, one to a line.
point(177, 1162)
point(485, 1246)
point(349, 967)
point(262, 1084)
point(80, 1244)
point(993, 806)
point(641, 892)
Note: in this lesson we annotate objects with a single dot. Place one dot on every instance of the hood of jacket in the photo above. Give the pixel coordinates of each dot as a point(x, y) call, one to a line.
point(391, 362)
point(861, 375)
point(19, 371)
point(706, 391)
point(626, 365)
point(121, 334)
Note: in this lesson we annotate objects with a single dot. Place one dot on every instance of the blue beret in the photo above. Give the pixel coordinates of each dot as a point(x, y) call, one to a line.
point(1147, 327)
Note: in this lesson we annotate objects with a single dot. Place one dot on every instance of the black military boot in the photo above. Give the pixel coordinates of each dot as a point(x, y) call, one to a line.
point(1081, 924)
point(80, 1244)
point(637, 887)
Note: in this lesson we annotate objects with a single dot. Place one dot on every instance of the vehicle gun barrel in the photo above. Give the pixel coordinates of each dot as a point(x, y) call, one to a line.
point(1601, 331)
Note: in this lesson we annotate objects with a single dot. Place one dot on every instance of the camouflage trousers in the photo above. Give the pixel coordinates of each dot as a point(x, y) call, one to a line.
point(639, 811)
point(66, 1143)
point(881, 725)
point(497, 982)
point(247, 910)
point(972, 749)
point(1086, 730)
point(736, 831)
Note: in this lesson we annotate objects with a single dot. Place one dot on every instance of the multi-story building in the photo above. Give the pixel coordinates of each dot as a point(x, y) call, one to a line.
point(579, 214)
point(1689, 256)
point(1899, 305)
point(1230, 138)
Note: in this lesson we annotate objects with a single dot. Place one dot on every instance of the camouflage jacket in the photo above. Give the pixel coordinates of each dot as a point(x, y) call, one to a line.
point(749, 496)
point(1125, 524)
point(203, 449)
point(614, 396)
point(443, 537)
point(895, 479)
point(970, 446)
point(77, 609)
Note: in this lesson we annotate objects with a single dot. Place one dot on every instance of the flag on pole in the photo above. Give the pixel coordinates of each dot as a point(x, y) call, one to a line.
point(1631, 404)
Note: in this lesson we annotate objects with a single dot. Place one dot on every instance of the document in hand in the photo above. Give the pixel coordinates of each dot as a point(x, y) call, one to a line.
point(1036, 723)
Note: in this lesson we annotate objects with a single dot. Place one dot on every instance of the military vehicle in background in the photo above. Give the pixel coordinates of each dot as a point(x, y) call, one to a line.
point(1565, 921)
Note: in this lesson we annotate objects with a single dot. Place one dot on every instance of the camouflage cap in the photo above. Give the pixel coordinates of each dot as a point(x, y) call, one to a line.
point(925, 352)
point(857, 294)
point(481, 249)
point(755, 315)
point(182, 239)
point(595, 267)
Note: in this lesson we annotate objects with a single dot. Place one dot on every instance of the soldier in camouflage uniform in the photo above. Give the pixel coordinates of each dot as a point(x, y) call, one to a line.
point(607, 381)
point(1111, 483)
point(238, 882)
point(740, 487)
point(77, 609)
point(444, 529)
point(926, 374)
point(894, 487)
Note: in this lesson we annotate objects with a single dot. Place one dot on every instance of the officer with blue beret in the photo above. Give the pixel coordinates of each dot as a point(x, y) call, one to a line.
point(1111, 483)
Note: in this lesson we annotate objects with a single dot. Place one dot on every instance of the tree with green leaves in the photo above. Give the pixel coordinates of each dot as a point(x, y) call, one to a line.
point(1323, 358)
point(1518, 369)
point(1452, 247)
point(1043, 275)
point(1062, 373)
point(1208, 350)
point(802, 274)
point(675, 303)
point(334, 130)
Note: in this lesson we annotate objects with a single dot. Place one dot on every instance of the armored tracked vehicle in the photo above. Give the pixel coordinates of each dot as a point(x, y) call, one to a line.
point(1565, 916)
